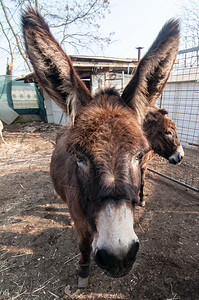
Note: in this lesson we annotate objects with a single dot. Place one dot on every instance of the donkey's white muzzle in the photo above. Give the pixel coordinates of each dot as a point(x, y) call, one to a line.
point(115, 244)
point(177, 157)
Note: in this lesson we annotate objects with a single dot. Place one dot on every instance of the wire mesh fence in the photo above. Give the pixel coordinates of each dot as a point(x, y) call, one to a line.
point(181, 99)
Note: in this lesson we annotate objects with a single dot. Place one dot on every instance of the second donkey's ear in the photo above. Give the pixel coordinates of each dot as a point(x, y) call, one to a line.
point(53, 68)
point(163, 111)
point(153, 71)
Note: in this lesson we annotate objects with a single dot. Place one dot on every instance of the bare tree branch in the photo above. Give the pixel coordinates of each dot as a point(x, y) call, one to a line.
point(76, 23)
point(190, 24)
point(15, 35)
point(9, 44)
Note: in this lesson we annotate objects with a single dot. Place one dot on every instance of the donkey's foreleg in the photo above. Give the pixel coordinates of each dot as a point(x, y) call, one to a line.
point(84, 262)
point(143, 166)
point(141, 194)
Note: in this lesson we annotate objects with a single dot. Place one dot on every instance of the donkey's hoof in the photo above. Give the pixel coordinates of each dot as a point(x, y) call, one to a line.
point(82, 282)
point(142, 203)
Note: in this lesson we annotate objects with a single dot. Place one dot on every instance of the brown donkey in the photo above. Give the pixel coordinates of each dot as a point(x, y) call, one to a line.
point(95, 165)
point(163, 139)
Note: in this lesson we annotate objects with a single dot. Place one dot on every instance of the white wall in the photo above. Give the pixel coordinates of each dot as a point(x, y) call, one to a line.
point(54, 113)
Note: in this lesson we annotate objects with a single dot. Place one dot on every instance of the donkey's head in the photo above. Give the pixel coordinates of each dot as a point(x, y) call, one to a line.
point(147, 85)
point(162, 134)
point(95, 165)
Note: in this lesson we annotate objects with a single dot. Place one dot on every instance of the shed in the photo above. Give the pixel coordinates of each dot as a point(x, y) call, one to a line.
point(96, 72)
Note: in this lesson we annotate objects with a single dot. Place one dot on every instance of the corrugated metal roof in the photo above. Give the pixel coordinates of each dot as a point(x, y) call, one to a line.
point(102, 58)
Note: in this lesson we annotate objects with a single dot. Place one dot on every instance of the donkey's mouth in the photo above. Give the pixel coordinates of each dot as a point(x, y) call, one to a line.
point(119, 271)
point(175, 161)
point(112, 266)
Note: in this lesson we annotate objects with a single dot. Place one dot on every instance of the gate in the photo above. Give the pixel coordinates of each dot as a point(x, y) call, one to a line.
point(181, 98)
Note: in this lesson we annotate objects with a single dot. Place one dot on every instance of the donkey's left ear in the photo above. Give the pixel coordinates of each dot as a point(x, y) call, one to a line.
point(153, 70)
point(163, 111)
point(53, 68)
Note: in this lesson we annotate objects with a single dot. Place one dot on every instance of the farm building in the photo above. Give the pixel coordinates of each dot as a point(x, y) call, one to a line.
point(95, 72)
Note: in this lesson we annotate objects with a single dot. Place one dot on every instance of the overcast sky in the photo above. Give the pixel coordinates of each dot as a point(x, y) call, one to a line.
point(135, 23)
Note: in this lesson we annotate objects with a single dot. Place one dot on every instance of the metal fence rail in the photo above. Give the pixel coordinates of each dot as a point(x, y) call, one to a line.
point(181, 99)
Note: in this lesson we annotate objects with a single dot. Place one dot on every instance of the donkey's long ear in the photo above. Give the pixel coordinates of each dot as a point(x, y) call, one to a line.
point(153, 70)
point(53, 68)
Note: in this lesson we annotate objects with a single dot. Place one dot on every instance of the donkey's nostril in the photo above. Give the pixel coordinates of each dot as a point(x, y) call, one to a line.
point(102, 258)
point(134, 250)
point(172, 160)
point(98, 257)
point(137, 245)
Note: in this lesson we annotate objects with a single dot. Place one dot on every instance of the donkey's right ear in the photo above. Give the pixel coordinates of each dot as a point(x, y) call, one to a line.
point(153, 71)
point(53, 68)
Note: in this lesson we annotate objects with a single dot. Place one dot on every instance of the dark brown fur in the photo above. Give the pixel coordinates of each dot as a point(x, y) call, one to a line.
point(161, 133)
point(97, 141)
point(153, 70)
point(95, 167)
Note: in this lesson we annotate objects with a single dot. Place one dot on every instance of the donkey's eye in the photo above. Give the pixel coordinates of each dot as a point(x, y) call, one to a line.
point(168, 133)
point(139, 156)
point(81, 160)
point(136, 159)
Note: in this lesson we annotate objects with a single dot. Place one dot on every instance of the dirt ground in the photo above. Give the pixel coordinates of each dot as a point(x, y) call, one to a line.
point(39, 248)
